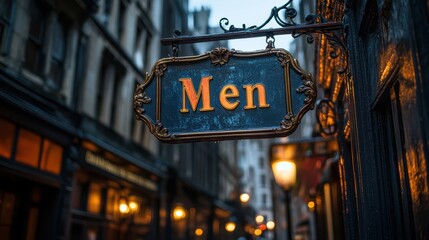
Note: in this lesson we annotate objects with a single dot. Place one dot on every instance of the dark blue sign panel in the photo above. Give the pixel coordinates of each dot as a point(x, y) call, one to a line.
point(225, 94)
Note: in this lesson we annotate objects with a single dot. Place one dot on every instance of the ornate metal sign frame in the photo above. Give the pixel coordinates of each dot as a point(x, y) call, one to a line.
point(219, 57)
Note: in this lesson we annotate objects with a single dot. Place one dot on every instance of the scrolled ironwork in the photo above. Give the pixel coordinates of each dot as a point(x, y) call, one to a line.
point(326, 115)
point(289, 16)
point(289, 122)
point(140, 98)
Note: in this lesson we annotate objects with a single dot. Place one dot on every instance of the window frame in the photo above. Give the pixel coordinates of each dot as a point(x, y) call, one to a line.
point(5, 32)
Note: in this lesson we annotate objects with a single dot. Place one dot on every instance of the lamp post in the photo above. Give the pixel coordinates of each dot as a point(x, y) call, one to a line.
point(284, 172)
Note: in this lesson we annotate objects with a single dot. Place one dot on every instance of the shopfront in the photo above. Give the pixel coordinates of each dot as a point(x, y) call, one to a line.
point(32, 178)
point(112, 198)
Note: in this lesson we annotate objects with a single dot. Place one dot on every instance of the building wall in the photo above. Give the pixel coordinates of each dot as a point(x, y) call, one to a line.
point(384, 153)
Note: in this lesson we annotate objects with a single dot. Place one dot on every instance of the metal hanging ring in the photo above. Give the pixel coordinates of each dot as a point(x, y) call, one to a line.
point(270, 41)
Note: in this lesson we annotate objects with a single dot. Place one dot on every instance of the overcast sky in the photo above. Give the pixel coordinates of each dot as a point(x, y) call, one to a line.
point(239, 12)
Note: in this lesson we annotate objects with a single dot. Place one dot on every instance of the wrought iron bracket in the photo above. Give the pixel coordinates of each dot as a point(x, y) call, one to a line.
point(335, 32)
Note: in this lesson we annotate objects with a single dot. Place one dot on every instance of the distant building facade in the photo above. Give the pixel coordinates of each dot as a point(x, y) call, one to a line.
point(257, 178)
point(75, 164)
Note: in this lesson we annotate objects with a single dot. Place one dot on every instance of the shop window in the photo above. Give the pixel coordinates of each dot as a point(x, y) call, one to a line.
point(92, 233)
point(34, 48)
point(58, 53)
point(94, 199)
point(112, 232)
point(7, 133)
point(5, 21)
point(28, 149)
point(7, 205)
point(51, 157)
point(112, 207)
point(32, 223)
point(144, 215)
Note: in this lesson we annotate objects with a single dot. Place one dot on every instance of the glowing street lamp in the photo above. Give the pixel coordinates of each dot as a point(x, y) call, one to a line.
point(259, 219)
point(230, 226)
point(244, 198)
point(270, 225)
point(123, 207)
point(284, 171)
point(179, 213)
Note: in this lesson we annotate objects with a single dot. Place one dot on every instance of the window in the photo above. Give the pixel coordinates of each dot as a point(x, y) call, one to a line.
point(260, 145)
point(139, 45)
point(81, 63)
point(5, 21)
point(51, 157)
point(264, 199)
point(115, 99)
point(112, 207)
point(146, 4)
point(94, 198)
point(58, 53)
point(30, 148)
point(106, 12)
point(122, 16)
point(7, 208)
point(33, 53)
point(263, 180)
point(261, 162)
point(7, 134)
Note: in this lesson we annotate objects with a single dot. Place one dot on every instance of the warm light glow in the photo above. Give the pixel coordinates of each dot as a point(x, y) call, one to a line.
point(244, 197)
point(230, 226)
point(263, 227)
point(258, 232)
point(259, 218)
point(123, 206)
point(311, 205)
point(284, 172)
point(270, 225)
point(134, 206)
point(199, 232)
point(179, 213)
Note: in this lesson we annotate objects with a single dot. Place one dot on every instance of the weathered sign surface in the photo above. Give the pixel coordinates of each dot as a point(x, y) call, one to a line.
point(224, 94)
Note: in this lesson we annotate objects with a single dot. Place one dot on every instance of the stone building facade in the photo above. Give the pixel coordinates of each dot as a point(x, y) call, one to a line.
point(75, 164)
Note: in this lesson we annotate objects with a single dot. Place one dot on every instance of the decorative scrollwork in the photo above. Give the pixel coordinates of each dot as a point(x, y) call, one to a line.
point(288, 122)
point(140, 98)
point(160, 130)
point(220, 56)
point(160, 69)
point(308, 90)
point(326, 117)
point(289, 15)
point(283, 58)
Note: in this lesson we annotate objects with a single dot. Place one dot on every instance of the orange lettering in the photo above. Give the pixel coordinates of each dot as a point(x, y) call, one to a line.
point(188, 91)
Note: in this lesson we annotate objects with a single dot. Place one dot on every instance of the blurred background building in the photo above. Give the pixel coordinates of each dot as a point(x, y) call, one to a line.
point(75, 164)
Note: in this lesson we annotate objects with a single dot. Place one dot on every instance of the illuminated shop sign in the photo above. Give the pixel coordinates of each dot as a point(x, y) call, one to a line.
point(119, 171)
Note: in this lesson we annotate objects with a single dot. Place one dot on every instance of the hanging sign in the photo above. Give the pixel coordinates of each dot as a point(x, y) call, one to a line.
point(224, 94)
